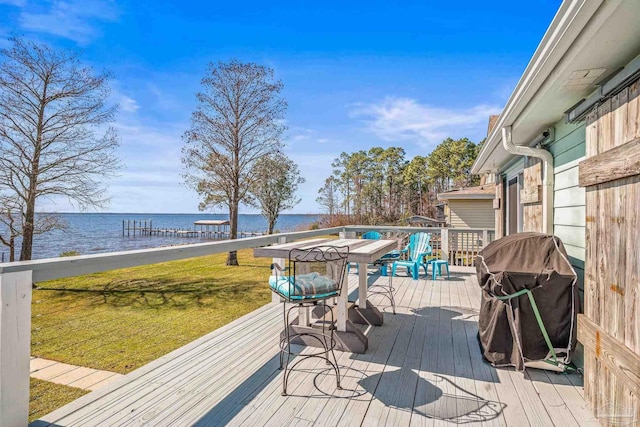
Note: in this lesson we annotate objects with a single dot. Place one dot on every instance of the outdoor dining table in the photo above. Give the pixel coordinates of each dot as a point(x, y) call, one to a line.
point(361, 251)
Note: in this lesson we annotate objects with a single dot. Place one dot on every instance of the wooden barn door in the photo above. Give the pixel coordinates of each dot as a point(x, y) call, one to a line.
point(610, 326)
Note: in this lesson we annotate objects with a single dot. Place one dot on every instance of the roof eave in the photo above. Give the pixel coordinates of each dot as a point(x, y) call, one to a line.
point(565, 27)
point(446, 196)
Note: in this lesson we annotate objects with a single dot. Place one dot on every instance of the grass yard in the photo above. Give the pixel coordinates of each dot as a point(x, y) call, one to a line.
point(46, 396)
point(122, 319)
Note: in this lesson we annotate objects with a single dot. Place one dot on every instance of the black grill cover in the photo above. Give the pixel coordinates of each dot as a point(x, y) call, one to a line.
point(508, 331)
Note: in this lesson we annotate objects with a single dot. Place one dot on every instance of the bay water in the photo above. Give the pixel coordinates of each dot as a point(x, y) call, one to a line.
point(91, 233)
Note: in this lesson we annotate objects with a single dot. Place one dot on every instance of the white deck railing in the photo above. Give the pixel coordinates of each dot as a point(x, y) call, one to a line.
point(16, 281)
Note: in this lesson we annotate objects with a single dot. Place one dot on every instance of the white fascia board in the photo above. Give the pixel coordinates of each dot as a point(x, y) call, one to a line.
point(565, 27)
point(447, 196)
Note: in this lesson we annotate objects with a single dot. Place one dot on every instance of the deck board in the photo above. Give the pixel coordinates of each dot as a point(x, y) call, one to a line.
point(422, 368)
point(335, 412)
point(513, 411)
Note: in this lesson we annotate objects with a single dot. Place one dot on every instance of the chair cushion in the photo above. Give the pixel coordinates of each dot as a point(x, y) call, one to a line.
point(388, 258)
point(393, 255)
point(304, 286)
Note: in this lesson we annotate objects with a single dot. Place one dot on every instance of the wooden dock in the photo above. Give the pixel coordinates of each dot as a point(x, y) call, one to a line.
point(423, 368)
point(136, 228)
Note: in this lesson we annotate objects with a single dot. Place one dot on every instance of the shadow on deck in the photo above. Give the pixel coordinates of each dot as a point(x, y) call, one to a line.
point(423, 366)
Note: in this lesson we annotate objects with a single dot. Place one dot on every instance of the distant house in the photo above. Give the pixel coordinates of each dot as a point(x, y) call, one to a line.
point(424, 221)
point(565, 155)
point(470, 207)
point(439, 212)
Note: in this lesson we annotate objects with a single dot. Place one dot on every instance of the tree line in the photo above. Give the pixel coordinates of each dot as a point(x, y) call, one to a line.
point(382, 185)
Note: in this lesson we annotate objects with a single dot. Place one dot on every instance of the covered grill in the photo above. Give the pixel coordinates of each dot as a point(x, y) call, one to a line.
point(529, 302)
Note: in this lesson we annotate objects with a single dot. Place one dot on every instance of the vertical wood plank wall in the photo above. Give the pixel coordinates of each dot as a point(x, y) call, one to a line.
point(611, 325)
point(532, 212)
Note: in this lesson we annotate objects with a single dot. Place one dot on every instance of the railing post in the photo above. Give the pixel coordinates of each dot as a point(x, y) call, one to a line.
point(282, 263)
point(485, 238)
point(444, 243)
point(347, 235)
point(15, 346)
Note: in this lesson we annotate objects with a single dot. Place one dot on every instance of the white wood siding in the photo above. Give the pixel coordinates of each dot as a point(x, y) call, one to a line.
point(569, 211)
point(471, 213)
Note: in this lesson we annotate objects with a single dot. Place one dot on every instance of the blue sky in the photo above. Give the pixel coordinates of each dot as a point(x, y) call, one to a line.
point(357, 74)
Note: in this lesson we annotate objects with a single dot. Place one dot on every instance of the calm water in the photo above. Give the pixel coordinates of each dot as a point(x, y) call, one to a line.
point(90, 233)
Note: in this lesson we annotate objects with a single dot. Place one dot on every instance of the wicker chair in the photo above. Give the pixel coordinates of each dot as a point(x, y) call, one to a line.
point(299, 286)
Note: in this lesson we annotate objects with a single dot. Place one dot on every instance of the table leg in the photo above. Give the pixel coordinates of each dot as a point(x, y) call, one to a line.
point(365, 313)
point(362, 284)
point(342, 304)
point(303, 316)
point(348, 336)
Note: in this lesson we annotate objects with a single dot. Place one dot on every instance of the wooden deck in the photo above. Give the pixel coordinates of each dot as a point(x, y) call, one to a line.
point(423, 367)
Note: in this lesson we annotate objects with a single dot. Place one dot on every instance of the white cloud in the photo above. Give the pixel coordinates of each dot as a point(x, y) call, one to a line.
point(136, 135)
point(152, 180)
point(298, 134)
point(126, 103)
point(405, 119)
point(151, 152)
point(299, 137)
point(76, 20)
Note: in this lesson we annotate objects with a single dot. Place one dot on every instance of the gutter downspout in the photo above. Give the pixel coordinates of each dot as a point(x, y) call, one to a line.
point(547, 175)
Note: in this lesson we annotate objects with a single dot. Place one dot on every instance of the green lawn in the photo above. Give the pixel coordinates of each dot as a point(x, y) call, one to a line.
point(46, 397)
point(123, 319)
point(120, 320)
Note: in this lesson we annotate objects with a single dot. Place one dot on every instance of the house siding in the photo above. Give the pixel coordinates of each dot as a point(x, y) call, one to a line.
point(568, 150)
point(477, 213)
point(569, 144)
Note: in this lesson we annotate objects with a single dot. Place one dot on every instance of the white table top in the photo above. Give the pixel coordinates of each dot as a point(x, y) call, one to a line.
point(360, 250)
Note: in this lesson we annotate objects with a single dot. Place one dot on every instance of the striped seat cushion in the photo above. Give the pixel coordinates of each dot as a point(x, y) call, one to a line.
point(391, 256)
point(304, 286)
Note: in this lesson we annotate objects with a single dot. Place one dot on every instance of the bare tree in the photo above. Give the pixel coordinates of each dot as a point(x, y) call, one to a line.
point(238, 120)
point(53, 135)
point(276, 182)
point(12, 219)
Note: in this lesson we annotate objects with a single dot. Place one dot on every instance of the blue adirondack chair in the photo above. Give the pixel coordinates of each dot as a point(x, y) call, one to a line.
point(370, 235)
point(418, 248)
